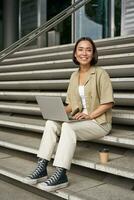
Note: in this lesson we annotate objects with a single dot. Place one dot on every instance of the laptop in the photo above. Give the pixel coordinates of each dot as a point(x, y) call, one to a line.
point(52, 108)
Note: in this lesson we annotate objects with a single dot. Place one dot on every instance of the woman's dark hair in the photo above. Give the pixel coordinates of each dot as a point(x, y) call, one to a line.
point(95, 53)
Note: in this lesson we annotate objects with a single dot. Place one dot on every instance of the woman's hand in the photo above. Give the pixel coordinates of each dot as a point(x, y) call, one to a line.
point(96, 113)
point(81, 115)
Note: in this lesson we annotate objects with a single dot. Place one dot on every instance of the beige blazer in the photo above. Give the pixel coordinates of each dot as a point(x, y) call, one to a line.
point(98, 90)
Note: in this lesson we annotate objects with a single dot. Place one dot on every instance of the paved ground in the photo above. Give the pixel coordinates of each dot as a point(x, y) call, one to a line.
point(12, 192)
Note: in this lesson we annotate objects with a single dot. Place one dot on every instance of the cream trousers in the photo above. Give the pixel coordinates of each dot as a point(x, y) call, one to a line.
point(69, 134)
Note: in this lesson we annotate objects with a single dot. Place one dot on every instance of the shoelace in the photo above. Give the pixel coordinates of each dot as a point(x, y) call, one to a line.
point(38, 170)
point(55, 177)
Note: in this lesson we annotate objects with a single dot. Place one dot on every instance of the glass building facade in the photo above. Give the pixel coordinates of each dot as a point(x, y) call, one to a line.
point(98, 19)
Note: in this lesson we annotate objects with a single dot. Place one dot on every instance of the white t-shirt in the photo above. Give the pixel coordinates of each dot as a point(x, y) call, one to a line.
point(83, 100)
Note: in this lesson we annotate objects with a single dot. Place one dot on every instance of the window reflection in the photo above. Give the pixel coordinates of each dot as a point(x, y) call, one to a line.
point(92, 20)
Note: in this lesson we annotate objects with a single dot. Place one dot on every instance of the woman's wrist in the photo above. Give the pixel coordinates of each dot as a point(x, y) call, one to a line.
point(91, 116)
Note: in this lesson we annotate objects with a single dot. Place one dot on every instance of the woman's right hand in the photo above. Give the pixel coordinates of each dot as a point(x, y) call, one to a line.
point(81, 115)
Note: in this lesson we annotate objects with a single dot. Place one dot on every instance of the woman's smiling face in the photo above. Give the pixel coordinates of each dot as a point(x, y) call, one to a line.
point(84, 53)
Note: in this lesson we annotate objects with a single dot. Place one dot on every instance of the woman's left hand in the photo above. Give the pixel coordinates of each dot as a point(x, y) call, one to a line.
point(81, 115)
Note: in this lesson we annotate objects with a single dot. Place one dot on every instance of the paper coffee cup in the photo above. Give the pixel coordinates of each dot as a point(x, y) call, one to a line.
point(104, 155)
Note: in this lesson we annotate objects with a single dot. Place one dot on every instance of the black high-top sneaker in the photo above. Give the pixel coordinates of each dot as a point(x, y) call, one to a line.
point(57, 181)
point(39, 174)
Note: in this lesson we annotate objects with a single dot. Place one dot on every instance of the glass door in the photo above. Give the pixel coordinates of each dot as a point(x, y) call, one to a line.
point(60, 34)
point(93, 20)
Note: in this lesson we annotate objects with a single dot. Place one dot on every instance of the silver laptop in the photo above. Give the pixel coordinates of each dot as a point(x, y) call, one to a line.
point(52, 108)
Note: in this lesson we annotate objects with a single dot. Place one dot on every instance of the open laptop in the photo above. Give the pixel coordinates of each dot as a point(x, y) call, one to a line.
point(52, 108)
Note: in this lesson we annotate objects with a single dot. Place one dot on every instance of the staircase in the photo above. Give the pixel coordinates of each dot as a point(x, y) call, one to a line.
point(46, 71)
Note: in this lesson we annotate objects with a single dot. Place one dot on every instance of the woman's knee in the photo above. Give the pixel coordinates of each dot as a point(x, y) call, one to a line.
point(52, 125)
point(65, 126)
point(68, 132)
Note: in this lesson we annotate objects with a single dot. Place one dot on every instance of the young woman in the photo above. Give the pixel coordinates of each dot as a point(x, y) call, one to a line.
point(90, 91)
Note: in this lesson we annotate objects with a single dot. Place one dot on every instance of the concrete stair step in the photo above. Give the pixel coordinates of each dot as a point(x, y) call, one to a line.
point(36, 85)
point(120, 70)
point(122, 83)
point(115, 49)
point(119, 136)
point(118, 84)
point(42, 57)
point(83, 183)
point(43, 50)
point(16, 192)
point(120, 163)
point(120, 98)
point(105, 50)
point(120, 115)
point(67, 64)
point(124, 98)
point(28, 96)
point(117, 41)
point(123, 116)
point(114, 71)
point(19, 121)
point(22, 108)
point(123, 58)
point(38, 74)
point(57, 64)
point(104, 192)
point(20, 140)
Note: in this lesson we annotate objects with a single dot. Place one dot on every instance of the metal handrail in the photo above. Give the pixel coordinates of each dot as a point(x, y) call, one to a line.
point(43, 28)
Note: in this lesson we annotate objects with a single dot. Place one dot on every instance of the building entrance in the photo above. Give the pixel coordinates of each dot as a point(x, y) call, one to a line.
point(34, 13)
point(97, 19)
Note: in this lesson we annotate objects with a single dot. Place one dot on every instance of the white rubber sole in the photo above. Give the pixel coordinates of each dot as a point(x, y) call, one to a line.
point(44, 186)
point(30, 181)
